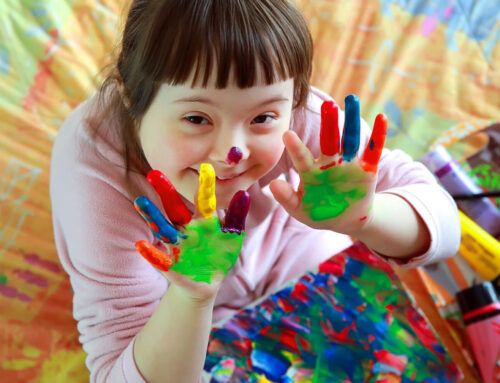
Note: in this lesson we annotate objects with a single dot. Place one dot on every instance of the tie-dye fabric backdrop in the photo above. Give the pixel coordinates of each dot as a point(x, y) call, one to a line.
point(431, 66)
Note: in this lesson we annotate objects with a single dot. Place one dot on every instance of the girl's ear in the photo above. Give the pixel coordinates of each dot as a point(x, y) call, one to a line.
point(121, 90)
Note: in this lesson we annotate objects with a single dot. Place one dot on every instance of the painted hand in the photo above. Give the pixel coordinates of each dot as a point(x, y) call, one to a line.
point(336, 190)
point(199, 250)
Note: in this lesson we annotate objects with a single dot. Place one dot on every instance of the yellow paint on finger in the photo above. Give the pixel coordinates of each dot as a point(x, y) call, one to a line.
point(206, 191)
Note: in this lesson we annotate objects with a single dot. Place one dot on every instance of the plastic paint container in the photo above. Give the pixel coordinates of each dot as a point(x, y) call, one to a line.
point(480, 308)
point(456, 181)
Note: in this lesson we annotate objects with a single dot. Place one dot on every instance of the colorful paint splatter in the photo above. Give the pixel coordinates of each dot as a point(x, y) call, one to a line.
point(349, 322)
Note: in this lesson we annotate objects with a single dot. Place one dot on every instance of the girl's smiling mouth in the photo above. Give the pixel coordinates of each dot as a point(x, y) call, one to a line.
point(222, 179)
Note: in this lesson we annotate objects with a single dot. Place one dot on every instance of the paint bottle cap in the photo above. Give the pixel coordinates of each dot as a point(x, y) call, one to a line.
point(437, 159)
point(476, 296)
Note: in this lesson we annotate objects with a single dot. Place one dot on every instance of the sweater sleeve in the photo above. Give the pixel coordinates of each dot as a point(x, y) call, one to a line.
point(95, 227)
point(399, 175)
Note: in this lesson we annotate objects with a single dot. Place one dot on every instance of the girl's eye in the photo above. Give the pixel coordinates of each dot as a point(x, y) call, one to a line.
point(263, 118)
point(197, 120)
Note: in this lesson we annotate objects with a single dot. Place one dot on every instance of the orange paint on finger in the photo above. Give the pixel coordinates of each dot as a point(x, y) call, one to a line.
point(372, 153)
point(157, 258)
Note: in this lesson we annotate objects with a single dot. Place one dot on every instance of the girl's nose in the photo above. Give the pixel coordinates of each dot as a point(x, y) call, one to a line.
point(230, 149)
point(234, 156)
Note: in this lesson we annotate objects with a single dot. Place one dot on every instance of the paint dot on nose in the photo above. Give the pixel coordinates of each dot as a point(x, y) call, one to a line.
point(234, 155)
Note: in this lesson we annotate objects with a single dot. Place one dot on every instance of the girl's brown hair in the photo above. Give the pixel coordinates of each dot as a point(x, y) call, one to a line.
point(165, 41)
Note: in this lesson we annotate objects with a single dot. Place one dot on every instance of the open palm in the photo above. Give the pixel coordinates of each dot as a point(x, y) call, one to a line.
point(200, 251)
point(336, 190)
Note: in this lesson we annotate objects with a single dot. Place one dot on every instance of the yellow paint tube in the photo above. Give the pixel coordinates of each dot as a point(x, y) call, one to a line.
point(479, 248)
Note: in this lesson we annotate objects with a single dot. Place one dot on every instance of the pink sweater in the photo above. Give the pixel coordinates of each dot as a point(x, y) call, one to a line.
point(116, 290)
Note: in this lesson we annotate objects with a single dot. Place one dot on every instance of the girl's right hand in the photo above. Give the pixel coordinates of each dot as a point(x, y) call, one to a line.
point(200, 251)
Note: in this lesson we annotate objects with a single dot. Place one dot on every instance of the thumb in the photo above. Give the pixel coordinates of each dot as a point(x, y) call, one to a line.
point(283, 193)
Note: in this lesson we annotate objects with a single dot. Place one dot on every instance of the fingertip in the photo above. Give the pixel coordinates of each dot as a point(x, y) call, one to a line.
point(373, 151)
point(381, 122)
point(352, 122)
point(206, 201)
point(329, 131)
point(154, 256)
point(351, 98)
point(174, 207)
point(289, 137)
point(234, 221)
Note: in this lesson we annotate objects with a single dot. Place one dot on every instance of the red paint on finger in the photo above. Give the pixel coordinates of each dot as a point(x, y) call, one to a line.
point(329, 134)
point(172, 202)
point(157, 258)
point(175, 252)
point(372, 153)
point(328, 166)
point(362, 219)
point(165, 239)
point(153, 226)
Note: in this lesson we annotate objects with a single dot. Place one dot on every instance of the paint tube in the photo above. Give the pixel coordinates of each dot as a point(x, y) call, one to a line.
point(480, 308)
point(456, 181)
point(480, 249)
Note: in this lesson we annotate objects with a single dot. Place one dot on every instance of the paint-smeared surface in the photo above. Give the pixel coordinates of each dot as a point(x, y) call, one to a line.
point(349, 322)
point(329, 192)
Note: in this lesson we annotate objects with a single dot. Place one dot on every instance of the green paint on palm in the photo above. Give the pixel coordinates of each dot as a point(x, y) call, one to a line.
point(207, 250)
point(329, 192)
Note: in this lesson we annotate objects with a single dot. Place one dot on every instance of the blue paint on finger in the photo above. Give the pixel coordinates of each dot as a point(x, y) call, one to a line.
point(352, 122)
point(160, 227)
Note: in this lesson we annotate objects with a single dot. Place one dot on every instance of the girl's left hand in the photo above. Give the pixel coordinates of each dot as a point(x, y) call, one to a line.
point(336, 190)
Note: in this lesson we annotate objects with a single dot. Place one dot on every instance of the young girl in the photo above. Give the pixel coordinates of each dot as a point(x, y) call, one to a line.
point(223, 83)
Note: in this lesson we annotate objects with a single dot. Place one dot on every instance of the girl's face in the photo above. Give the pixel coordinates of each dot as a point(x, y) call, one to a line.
point(186, 126)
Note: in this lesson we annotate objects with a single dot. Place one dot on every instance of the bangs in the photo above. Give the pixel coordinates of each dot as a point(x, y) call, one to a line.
point(257, 40)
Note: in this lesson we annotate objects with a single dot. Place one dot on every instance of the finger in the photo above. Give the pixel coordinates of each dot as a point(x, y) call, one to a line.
point(283, 193)
point(156, 257)
point(175, 208)
point(234, 222)
point(350, 138)
point(329, 136)
point(300, 155)
point(373, 151)
point(160, 227)
point(206, 191)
